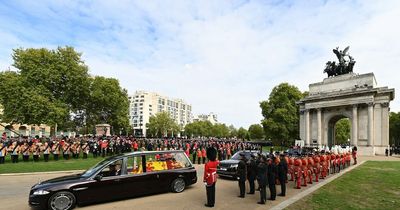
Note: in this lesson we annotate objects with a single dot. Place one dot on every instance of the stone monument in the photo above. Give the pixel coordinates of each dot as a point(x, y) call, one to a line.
point(345, 94)
point(103, 129)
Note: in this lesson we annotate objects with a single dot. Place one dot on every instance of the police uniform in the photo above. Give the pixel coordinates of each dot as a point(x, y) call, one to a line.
point(262, 180)
point(271, 177)
point(282, 174)
point(251, 173)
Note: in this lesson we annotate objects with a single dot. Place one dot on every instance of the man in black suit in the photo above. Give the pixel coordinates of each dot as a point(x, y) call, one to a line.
point(262, 179)
point(241, 175)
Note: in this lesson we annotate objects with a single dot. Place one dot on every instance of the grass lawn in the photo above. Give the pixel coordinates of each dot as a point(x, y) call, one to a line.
point(373, 185)
point(41, 166)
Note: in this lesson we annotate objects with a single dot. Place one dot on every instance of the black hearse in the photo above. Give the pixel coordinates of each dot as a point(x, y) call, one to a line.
point(122, 176)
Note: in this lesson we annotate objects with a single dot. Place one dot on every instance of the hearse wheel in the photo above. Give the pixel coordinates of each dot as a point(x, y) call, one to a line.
point(62, 200)
point(178, 185)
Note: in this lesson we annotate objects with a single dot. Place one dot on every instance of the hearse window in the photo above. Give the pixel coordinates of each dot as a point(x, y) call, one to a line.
point(113, 169)
point(166, 161)
point(134, 165)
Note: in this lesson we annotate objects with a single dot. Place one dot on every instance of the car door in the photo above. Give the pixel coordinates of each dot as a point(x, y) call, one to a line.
point(137, 182)
point(107, 188)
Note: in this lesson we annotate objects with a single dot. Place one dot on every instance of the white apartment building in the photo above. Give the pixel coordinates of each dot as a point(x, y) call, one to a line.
point(144, 104)
point(207, 117)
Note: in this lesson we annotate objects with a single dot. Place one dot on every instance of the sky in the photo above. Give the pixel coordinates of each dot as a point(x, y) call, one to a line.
point(220, 56)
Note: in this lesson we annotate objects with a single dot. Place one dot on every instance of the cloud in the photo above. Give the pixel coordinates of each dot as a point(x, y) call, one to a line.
point(220, 56)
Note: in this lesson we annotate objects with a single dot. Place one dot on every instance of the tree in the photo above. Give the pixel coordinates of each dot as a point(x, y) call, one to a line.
point(242, 133)
point(394, 128)
point(342, 131)
point(161, 124)
point(256, 132)
point(53, 87)
point(220, 130)
point(108, 103)
point(232, 131)
point(281, 114)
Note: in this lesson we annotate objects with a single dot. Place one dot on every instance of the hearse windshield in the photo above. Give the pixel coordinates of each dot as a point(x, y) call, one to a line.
point(95, 168)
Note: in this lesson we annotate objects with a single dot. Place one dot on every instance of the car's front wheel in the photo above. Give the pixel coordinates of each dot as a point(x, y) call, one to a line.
point(62, 200)
point(178, 185)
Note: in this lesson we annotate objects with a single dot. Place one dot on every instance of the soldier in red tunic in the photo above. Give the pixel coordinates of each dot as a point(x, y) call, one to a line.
point(297, 172)
point(210, 175)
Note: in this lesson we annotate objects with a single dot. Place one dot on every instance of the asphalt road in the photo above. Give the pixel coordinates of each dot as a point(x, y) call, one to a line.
point(14, 191)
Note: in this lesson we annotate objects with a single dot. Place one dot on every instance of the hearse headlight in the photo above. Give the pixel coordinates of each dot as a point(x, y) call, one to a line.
point(234, 166)
point(41, 192)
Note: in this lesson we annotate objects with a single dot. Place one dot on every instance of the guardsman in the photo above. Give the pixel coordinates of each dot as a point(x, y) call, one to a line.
point(46, 151)
point(297, 172)
point(251, 173)
point(14, 150)
point(210, 175)
point(282, 174)
point(354, 154)
point(291, 168)
point(241, 175)
point(271, 177)
point(304, 169)
point(3, 152)
point(317, 167)
point(333, 163)
point(36, 151)
point(66, 150)
point(204, 154)
point(55, 150)
point(322, 161)
point(25, 148)
point(85, 150)
point(310, 167)
point(262, 179)
point(199, 156)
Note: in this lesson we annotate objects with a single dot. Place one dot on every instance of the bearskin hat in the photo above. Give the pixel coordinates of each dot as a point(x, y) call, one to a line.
point(211, 153)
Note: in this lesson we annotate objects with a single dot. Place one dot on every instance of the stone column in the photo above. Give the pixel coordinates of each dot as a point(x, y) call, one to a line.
point(355, 125)
point(319, 127)
point(307, 130)
point(370, 124)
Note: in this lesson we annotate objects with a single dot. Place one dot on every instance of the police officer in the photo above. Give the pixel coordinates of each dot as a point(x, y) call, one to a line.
point(251, 173)
point(262, 179)
point(282, 174)
point(241, 175)
point(271, 171)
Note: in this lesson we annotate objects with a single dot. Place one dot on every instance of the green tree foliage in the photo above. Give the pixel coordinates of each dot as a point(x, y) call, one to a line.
point(162, 124)
point(281, 114)
point(199, 129)
point(108, 103)
point(342, 131)
point(207, 129)
point(232, 131)
point(394, 128)
point(54, 87)
point(242, 133)
point(256, 132)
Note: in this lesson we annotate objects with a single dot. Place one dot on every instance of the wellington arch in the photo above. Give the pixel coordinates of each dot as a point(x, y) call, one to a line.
point(353, 96)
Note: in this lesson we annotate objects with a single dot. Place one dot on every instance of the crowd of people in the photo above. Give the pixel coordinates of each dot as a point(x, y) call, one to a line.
point(303, 166)
point(28, 149)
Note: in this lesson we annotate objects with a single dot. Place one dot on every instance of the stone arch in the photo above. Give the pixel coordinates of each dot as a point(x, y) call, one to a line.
point(353, 96)
point(331, 117)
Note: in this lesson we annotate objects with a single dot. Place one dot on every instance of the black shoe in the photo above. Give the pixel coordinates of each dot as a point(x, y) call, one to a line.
point(281, 195)
point(208, 205)
point(250, 193)
point(261, 202)
point(240, 196)
point(271, 199)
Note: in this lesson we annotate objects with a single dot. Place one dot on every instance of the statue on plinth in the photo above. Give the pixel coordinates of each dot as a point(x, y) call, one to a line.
point(345, 65)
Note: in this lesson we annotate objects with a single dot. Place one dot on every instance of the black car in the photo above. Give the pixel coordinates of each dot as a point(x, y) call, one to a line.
point(122, 176)
point(228, 168)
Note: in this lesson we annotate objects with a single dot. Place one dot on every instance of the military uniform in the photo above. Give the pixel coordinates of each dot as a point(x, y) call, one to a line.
point(271, 178)
point(282, 175)
point(251, 173)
